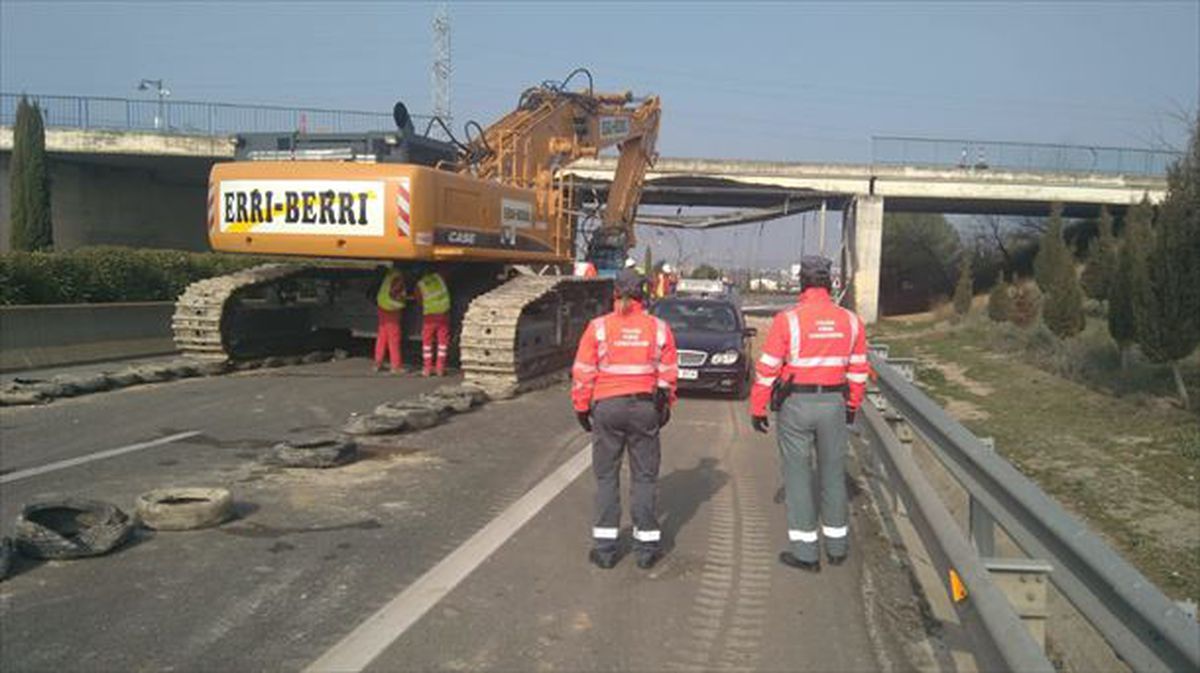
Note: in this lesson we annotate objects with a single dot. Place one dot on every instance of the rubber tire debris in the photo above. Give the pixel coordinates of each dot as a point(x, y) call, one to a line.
point(321, 451)
point(190, 508)
point(69, 528)
point(7, 554)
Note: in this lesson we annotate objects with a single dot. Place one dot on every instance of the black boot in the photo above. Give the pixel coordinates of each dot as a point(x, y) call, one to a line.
point(787, 558)
point(603, 558)
point(835, 560)
point(648, 557)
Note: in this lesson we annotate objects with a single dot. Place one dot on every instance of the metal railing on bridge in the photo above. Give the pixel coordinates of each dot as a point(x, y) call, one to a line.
point(989, 154)
point(191, 117)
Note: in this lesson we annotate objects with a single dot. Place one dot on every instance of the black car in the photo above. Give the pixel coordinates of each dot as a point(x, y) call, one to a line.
point(713, 343)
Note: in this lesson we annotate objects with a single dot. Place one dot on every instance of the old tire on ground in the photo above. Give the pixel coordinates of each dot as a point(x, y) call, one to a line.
point(320, 451)
point(184, 508)
point(7, 552)
point(375, 424)
point(67, 528)
point(417, 414)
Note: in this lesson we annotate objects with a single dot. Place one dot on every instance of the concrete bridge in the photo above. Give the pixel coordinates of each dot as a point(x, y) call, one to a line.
point(862, 191)
point(148, 188)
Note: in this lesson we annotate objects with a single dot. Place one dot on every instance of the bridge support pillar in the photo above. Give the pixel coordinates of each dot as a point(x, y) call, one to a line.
point(863, 231)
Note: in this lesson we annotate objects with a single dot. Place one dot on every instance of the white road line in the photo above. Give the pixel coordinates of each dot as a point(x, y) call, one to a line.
point(358, 649)
point(81, 460)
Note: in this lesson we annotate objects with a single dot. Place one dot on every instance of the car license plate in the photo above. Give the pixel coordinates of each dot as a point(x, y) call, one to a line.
point(689, 374)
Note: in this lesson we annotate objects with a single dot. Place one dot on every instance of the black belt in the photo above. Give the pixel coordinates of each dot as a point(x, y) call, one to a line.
point(648, 397)
point(804, 388)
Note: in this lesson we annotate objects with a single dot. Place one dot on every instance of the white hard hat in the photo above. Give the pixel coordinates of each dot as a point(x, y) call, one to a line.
point(630, 263)
point(666, 268)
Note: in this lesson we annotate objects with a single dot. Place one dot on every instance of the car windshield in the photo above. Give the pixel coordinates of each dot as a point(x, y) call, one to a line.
point(698, 316)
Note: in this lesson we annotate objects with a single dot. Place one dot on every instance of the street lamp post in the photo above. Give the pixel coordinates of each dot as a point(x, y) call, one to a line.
point(156, 85)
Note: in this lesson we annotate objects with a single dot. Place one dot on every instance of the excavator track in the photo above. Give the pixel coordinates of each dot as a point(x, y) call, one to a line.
point(262, 311)
point(522, 334)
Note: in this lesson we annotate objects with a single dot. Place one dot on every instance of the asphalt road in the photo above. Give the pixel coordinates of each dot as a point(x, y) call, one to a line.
point(314, 554)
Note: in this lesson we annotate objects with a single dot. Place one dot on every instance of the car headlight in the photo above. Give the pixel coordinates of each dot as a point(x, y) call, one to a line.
point(725, 358)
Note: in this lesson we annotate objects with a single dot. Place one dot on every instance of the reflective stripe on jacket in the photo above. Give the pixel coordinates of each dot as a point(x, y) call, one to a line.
point(623, 354)
point(435, 296)
point(815, 342)
point(390, 296)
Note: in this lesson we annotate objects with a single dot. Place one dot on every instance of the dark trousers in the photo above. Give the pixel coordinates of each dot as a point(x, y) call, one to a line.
point(621, 424)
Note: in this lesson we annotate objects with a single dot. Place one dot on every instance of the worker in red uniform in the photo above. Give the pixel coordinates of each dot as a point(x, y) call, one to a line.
point(813, 373)
point(585, 270)
point(664, 282)
point(434, 296)
point(389, 303)
point(624, 385)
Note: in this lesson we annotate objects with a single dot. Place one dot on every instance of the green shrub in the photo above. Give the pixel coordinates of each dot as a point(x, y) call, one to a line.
point(108, 274)
point(1000, 301)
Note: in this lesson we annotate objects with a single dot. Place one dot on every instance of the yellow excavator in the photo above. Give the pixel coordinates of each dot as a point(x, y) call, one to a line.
point(492, 213)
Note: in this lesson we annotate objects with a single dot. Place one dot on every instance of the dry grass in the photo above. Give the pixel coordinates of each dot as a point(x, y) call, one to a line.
point(1128, 465)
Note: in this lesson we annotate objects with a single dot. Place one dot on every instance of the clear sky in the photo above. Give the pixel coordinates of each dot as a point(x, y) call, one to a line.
point(792, 81)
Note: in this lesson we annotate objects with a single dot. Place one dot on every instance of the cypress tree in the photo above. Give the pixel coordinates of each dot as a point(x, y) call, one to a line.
point(1165, 294)
point(29, 182)
point(1051, 250)
point(1101, 259)
point(1054, 269)
point(964, 289)
point(1131, 262)
point(1000, 301)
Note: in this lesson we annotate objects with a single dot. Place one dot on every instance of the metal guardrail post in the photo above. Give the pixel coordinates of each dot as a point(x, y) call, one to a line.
point(981, 525)
point(1023, 582)
point(1147, 629)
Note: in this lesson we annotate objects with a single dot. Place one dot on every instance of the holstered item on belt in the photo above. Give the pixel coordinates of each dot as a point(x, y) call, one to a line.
point(662, 397)
point(780, 390)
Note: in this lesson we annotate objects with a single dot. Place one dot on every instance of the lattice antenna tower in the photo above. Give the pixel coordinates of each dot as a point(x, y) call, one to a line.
point(439, 76)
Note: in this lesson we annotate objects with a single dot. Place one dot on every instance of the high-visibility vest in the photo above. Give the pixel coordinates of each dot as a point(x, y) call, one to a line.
point(661, 285)
point(390, 296)
point(815, 342)
point(624, 354)
point(435, 296)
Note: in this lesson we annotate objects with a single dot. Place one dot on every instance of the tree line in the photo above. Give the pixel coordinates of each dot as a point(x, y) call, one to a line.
point(1147, 278)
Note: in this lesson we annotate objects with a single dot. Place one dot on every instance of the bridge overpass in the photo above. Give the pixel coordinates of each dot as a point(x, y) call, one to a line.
point(131, 183)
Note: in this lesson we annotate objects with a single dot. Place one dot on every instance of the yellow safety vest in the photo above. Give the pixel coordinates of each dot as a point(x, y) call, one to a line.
point(384, 298)
point(435, 296)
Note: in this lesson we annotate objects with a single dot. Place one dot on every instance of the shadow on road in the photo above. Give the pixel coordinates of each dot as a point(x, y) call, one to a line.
point(681, 493)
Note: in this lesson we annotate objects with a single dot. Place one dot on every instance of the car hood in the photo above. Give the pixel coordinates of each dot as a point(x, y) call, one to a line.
point(711, 342)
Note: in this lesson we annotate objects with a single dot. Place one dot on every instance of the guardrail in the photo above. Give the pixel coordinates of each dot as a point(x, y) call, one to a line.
point(991, 154)
point(191, 117)
point(1145, 628)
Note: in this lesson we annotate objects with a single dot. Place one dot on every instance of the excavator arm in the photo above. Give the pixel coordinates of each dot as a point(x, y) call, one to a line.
point(552, 127)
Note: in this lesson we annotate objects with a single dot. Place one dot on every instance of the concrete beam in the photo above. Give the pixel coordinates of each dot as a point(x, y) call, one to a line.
point(911, 188)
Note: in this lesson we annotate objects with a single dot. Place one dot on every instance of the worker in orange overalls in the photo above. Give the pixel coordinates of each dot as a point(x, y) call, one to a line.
point(664, 282)
point(585, 270)
point(434, 296)
point(813, 373)
point(389, 303)
point(624, 385)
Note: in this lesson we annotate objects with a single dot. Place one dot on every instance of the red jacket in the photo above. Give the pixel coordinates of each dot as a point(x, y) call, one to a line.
point(623, 354)
point(815, 342)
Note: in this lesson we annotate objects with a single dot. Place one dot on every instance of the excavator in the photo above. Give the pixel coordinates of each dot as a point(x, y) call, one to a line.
point(491, 212)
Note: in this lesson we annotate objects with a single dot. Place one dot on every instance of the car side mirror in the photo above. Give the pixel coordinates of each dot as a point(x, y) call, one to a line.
point(750, 331)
